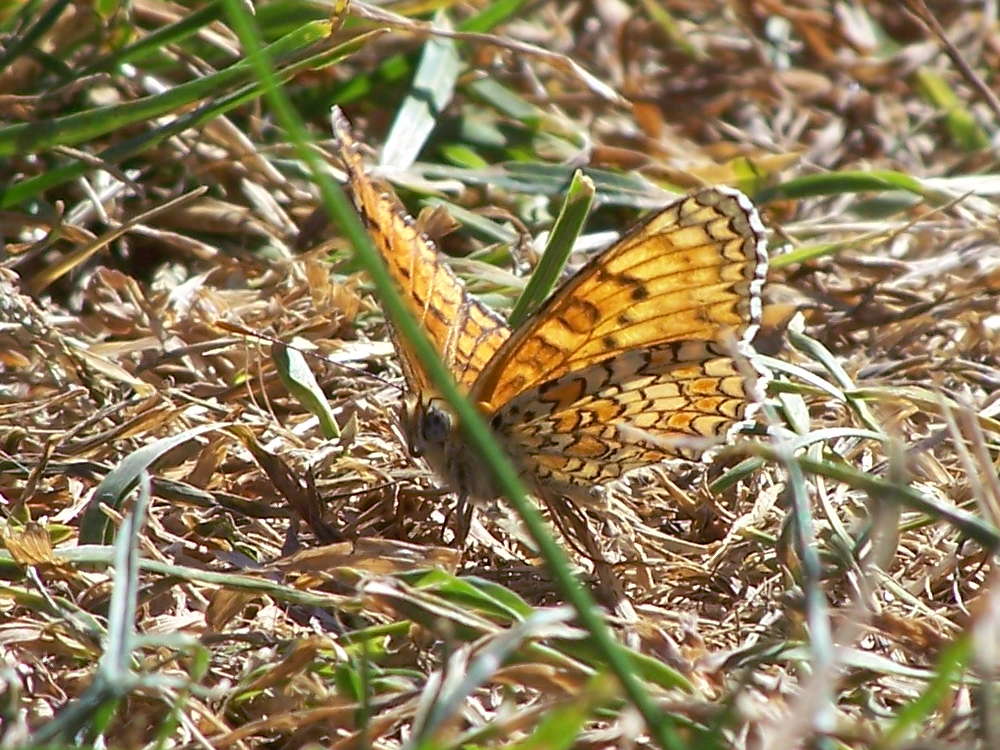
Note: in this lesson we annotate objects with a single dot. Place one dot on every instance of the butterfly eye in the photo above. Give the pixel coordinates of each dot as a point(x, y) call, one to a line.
point(435, 426)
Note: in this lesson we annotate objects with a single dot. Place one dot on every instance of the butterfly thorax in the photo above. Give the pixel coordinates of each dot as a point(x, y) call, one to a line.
point(433, 433)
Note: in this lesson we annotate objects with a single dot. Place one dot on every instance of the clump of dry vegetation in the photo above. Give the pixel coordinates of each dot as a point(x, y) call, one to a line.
point(205, 547)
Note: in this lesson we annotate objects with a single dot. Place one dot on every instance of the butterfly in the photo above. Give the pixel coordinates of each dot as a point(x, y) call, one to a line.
point(638, 357)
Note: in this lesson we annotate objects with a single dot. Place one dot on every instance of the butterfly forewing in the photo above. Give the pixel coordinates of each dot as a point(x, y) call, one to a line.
point(464, 332)
point(691, 272)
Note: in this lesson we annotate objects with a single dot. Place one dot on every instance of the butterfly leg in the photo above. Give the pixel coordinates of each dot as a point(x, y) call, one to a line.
point(463, 510)
point(573, 524)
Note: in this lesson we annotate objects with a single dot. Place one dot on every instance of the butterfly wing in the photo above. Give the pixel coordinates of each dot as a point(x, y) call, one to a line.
point(464, 331)
point(642, 356)
point(692, 272)
point(593, 425)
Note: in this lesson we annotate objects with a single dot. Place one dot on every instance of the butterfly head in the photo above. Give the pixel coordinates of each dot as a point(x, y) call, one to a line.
point(429, 424)
point(433, 425)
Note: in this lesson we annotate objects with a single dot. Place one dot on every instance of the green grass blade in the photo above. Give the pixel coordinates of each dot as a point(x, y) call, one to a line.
point(882, 489)
point(569, 224)
point(10, 24)
point(960, 121)
point(93, 710)
point(301, 383)
point(950, 665)
point(20, 44)
point(506, 101)
point(491, 16)
point(69, 130)
point(94, 525)
point(814, 349)
point(476, 225)
point(433, 86)
point(171, 34)
point(479, 670)
point(671, 29)
point(116, 662)
point(560, 727)
point(612, 188)
point(834, 183)
point(14, 195)
point(822, 652)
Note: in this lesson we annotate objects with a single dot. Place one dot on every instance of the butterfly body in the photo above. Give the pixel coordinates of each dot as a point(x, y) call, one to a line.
point(644, 354)
point(433, 433)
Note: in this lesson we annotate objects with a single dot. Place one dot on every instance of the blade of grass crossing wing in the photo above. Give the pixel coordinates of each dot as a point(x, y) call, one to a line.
point(433, 86)
point(567, 228)
point(660, 724)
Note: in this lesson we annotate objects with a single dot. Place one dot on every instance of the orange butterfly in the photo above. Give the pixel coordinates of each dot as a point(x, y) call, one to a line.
point(630, 362)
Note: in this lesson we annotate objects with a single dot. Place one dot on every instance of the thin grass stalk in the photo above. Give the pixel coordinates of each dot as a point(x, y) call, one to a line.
point(816, 607)
point(968, 524)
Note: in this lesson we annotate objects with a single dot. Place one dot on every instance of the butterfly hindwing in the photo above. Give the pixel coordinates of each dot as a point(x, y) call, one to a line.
point(591, 426)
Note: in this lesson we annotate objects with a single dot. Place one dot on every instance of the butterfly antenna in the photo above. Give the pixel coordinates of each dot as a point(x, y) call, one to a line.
point(347, 494)
point(241, 331)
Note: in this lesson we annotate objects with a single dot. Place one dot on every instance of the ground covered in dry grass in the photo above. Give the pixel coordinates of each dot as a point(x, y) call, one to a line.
point(207, 548)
